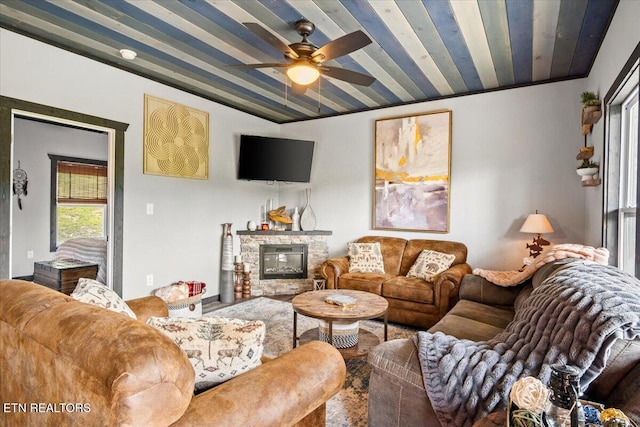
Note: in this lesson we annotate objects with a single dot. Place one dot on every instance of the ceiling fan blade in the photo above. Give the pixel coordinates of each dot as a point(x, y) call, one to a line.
point(347, 75)
point(264, 65)
point(341, 46)
point(267, 36)
point(297, 89)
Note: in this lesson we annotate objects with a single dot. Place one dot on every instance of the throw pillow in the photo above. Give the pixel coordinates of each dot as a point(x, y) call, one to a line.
point(93, 292)
point(218, 348)
point(365, 258)
point(429, 264)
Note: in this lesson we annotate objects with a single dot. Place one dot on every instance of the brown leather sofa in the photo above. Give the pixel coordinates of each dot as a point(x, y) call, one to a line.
point(412, 301)
point(397, 395)
point(63, 362)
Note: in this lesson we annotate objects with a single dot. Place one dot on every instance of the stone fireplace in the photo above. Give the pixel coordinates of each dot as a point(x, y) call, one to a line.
point(287, 252)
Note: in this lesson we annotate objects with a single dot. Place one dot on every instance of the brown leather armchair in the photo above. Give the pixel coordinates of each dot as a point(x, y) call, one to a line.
point(412, 301)
point(64, 362)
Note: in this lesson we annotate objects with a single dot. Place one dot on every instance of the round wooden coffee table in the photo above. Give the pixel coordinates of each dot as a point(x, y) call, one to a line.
point(368, 306)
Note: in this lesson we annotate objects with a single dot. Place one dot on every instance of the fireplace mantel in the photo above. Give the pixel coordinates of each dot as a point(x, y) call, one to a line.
point(318, 252)
point(283, 233)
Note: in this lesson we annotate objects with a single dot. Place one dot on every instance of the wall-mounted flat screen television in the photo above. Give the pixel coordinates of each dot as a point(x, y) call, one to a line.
point(275, 159)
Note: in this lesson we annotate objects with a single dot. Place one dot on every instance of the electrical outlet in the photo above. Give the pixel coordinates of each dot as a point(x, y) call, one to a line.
point(29, 254)
point(149, 279)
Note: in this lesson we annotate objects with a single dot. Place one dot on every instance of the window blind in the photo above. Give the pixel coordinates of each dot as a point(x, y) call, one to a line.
point(81, 183)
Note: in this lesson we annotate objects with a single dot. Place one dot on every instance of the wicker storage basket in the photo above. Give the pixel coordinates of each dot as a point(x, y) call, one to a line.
point(345, 334)
point(183, 307)
point(188, 307)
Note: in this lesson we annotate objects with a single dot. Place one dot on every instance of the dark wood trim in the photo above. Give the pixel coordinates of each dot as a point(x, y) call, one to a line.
point(7, 107)
point(5, 190)
point(623, 75)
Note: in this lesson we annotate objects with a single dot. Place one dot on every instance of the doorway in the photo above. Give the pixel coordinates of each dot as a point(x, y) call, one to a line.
point(9, 109)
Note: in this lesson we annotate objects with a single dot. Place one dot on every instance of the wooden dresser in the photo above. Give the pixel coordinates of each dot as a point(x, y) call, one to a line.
point(63, 274)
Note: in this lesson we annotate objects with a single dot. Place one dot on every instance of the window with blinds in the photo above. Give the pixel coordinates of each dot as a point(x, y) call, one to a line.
point(81, 183)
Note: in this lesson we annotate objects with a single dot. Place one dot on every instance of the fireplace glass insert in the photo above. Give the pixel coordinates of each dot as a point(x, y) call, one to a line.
point(283, 261)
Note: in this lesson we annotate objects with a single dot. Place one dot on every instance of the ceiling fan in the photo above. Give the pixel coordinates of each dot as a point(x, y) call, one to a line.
point(306, 60)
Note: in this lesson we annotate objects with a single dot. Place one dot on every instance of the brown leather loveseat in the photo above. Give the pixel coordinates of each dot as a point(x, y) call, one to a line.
point(67, 363)
point(412, 301)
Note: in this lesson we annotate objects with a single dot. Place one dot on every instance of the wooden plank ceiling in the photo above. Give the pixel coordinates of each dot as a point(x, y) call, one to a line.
point(420, 50)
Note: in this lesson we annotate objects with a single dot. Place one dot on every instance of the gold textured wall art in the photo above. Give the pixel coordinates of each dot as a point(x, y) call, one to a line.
point(176, 139)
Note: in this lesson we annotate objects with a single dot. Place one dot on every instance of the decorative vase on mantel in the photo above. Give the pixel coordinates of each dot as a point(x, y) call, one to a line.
point(226, 265)
point(308, 218)
point(295, 225)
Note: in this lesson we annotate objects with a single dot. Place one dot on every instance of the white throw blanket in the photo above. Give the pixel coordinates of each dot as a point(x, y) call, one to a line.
point(87, 249)
point(553, 253)
point(573, 317)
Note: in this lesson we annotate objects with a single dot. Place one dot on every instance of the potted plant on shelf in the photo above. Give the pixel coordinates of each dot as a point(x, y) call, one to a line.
point(590, 102)
point(587, 169)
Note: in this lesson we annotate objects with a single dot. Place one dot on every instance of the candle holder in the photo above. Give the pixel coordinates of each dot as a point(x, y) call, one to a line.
point(237, 290)
point(246, 284)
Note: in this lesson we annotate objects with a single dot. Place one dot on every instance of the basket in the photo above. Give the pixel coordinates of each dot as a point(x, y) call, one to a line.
point(187, 307)
point(345, 334)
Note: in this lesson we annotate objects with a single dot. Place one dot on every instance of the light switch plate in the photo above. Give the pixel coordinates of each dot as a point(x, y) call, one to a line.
point(149, 208)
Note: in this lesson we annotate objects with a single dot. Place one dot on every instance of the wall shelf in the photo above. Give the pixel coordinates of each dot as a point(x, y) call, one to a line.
point(590, 115)
point(592, 182)
point(585, 153)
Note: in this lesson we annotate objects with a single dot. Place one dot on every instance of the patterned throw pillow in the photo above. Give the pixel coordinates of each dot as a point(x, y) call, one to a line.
point(429, 264)
point(218, 348)
point(365, 258)
point(93, 292)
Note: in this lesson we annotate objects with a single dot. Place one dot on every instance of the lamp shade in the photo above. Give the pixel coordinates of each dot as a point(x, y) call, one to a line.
point(537, 223)
point(303, 74)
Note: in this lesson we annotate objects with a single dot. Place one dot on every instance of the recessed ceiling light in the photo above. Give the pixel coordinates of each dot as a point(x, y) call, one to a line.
point(128, 54)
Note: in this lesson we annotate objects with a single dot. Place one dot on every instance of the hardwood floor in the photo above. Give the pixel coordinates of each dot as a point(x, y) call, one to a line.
point(209, 306)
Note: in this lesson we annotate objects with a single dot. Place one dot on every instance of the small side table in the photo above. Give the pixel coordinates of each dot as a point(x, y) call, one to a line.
point(62, 274)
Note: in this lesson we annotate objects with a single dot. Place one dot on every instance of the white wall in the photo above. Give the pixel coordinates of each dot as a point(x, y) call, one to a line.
point(32, 143)
point(513, 152)
point(621, 39)
point(182, 239)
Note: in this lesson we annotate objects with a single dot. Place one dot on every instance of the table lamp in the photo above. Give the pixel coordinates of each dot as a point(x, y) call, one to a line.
point(538, 224)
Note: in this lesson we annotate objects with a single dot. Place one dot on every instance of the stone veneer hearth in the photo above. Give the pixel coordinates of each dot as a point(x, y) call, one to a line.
point(318, 252)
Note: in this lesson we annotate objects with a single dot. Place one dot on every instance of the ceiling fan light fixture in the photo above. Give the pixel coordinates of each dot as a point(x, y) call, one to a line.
point(303, 74)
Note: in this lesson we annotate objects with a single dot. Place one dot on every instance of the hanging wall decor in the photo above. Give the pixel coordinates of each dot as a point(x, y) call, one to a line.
point(412, 170)
point(176, 139)
point(20, 182)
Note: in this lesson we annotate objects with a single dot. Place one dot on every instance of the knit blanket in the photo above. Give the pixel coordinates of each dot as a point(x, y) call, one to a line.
point(553, 253)
point(573, 317)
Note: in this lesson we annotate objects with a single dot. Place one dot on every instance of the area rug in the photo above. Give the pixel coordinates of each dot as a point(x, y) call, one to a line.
point(349, 407)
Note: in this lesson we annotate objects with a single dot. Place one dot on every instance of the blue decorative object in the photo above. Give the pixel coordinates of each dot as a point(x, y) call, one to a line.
point(592, 415)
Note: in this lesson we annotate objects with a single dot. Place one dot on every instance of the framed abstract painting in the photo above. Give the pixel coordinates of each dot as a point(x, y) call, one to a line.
point(412, 172)
point(176, 139)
